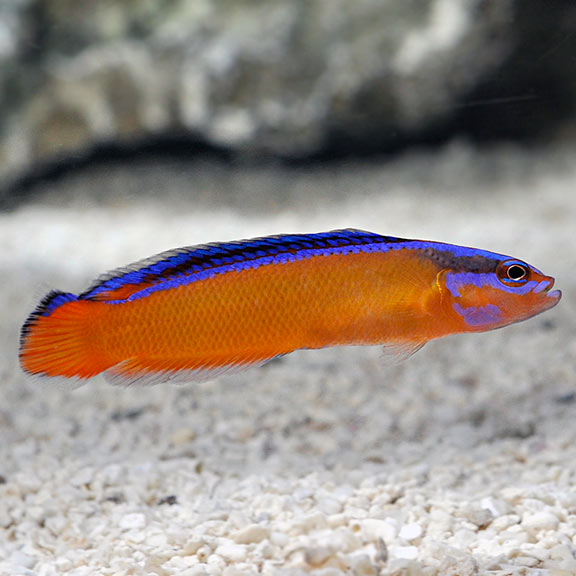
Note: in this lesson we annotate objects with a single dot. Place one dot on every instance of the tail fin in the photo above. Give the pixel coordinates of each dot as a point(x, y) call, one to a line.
point(54, 339)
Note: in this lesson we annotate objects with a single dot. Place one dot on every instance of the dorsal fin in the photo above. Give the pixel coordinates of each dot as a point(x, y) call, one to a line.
point(186, 262)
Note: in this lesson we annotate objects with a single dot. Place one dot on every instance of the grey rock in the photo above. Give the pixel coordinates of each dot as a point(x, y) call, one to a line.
point(274, 76)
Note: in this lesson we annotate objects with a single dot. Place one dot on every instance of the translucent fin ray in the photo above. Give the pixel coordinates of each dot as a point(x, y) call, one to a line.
point(139, 372)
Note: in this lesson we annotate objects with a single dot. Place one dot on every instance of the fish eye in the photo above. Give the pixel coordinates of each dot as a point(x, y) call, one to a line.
point(513, 273)
point(516, 272)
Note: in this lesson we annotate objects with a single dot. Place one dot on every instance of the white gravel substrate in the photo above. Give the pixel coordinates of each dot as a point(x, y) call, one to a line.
point(459, 462)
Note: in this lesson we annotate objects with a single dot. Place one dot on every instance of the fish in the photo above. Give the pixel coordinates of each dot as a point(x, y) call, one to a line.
point(197, 312)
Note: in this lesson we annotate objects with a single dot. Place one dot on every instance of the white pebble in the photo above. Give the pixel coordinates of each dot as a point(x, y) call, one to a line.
point(56, 524)
point(199, 570)
point(496, 507)
point(329, 506)
point(336, 520)
point(233, 570)
point(251, 534)
point(374, 529)
point(157, 540)
point(528, 561)
point(231, 552)
point(540, 521)
point(479, 517)
point(562, 552)
point(503, 522)
point(355, 512)
point(404, 552)
point(133, 521)
point(203, 553)
point(279, 539)
point(82, 477)
point(215, 565)
point(189, 547)
point(301, 493)
point(63, 564)
point(458, 567)
point(35, 512)
point(318, 555)
point(20, 558)
point(410, 532)
point(361, 565)
point(5, 517)
point(136, 537)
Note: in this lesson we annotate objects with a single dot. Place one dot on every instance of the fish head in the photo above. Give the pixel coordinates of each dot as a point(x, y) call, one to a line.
point(498, 292)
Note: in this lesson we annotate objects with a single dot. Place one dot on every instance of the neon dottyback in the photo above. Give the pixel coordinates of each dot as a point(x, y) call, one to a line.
point(197, 312)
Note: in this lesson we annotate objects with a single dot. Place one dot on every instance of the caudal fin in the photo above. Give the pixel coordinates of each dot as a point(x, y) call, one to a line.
point(54, 340)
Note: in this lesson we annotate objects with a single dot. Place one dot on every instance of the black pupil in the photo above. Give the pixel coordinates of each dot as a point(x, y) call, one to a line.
point(516, 272)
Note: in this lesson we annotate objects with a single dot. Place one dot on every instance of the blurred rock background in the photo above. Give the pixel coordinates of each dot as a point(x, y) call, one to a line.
point(293, 79)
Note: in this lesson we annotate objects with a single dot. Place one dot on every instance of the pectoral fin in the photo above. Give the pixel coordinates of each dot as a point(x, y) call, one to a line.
point(397, 352)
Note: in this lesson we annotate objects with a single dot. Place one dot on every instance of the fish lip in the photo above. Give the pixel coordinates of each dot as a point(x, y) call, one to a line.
point(545, 286)
point(555, 294)
point(552, 296)
point(551, 299)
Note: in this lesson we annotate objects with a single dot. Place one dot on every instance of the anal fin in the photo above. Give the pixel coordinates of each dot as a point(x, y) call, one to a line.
point(144, 372)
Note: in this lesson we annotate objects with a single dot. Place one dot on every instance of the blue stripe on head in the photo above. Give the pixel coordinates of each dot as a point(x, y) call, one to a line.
point(452, 249)
point(479, 315)
point(456, 281)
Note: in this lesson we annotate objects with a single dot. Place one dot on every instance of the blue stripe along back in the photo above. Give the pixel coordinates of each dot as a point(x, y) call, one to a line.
point(176, 267)
point(192, 260)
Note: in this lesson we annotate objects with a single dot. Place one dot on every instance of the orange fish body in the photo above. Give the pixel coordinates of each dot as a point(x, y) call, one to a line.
point(196, 312)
